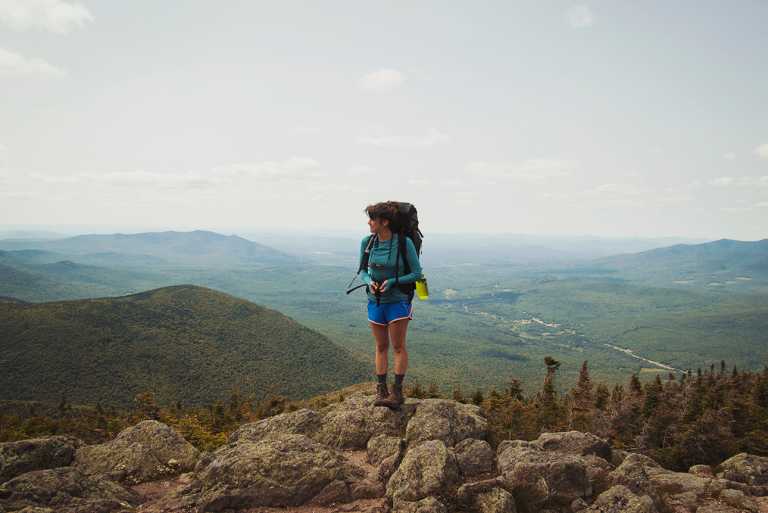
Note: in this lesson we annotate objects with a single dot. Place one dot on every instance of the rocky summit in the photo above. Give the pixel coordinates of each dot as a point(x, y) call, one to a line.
point(431, 456)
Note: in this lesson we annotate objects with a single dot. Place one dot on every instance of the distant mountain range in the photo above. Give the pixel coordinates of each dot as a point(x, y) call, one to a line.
point(37, 275)
point(461, 248)
point(713, 264)
point(185, 343)
point(198, 248)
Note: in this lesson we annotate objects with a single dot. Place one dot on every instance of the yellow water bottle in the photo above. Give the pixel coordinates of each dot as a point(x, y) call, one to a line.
point(422, 290)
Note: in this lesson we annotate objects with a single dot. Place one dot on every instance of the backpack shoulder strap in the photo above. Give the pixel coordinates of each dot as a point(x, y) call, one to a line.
point(366, 253)
point(403, 248)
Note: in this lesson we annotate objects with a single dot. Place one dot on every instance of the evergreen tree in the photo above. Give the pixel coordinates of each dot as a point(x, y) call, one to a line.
point(694, 405)
point(617, 396)
point(515, 390)
point(458, 395)
point(146, 405)
point(416, 391)
point(652, 396)
point(760, 393)
point(235, 405)
point(602, 395)
point(549, 407)
point(583, 400)
point(63, 406)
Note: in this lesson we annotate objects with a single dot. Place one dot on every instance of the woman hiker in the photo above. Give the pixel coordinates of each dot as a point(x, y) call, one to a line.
point(389, 308)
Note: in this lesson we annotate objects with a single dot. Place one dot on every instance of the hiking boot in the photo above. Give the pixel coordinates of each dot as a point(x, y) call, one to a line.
point(398, 393)
point(381, 395)
point(395, 397)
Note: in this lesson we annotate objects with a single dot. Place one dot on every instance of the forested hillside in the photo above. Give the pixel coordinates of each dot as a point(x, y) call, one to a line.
point(184, 343)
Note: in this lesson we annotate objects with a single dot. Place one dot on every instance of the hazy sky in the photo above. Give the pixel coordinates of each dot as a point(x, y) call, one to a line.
point(633, 118)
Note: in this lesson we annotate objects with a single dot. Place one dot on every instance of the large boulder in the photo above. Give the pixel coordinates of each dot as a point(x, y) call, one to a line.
point(299, 422)
point(36, 454)
point(148, 451)
point(575, 443)
point(620, 499)
point(351, 423)
point(594, 451)
point(386, 452)
point(670, 491)
point(381, 447)
point(65, 490)
point(445, 420)
point(701, 471)
point(475, 457)
point(496, 500)
point(429, 469)
point(279, 470)
point(717, 507)
point(426, 505)
point(542, 479)
point(737, 499)
point(745, 468)
point(598, 473)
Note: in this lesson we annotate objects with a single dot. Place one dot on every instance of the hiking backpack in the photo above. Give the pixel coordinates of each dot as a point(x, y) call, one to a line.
point(405, 224)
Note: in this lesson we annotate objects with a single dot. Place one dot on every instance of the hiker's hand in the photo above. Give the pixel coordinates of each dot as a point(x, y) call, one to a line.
point(375, 286)
point(384, 286)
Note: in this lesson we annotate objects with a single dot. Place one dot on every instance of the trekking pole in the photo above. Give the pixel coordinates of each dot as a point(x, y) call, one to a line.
point(355, 288)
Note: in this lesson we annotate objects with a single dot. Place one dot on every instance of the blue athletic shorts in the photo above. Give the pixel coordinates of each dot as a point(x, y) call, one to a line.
point(389, 312)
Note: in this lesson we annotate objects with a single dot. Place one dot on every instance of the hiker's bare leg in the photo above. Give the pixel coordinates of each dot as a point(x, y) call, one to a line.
point(397, 333)
point(381, 336)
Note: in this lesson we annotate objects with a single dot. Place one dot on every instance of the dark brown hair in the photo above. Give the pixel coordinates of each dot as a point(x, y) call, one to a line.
point(384, 210)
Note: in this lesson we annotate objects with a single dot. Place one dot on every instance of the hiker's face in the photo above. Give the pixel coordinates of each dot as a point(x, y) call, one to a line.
point(377, 224)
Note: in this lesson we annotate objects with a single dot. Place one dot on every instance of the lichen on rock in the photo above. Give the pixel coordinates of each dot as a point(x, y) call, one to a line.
point(148, 451)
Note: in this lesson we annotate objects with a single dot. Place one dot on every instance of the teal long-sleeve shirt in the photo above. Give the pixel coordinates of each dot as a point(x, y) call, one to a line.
point(381, 267)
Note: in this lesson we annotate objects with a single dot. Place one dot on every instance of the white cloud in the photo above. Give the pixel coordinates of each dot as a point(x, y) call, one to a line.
point(292, 168)
point(531, 170)
point(762, 151)
point(360, 171)
point(580, 16)
point(615, 189)
point(746, 208)
point(432, 138)
point(729, 156)
point(735, 210)
point(723, 181)
point(620, 195)
point(57, 16)
point(740, 181)
point(452, 183)
point(138, 178)
point(162, 180)
point(382, 80)
point(13, 64)
point(419, 181)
